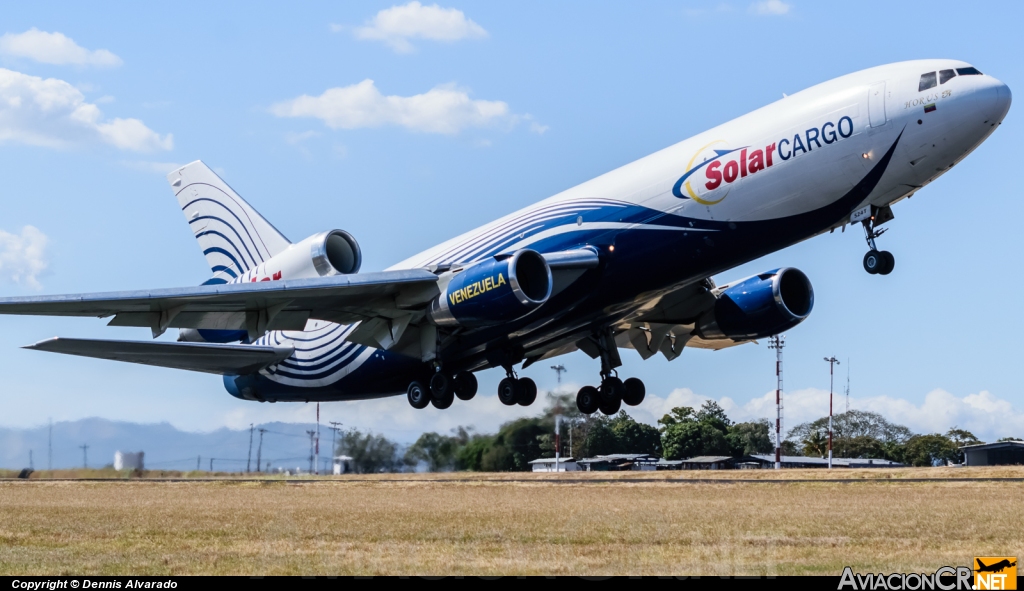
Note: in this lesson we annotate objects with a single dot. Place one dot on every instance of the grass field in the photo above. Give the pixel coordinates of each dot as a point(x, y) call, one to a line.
point(487, 525)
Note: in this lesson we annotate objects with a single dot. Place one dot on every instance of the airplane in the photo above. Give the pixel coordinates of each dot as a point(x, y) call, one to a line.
point(624, 260)
point(994, 568)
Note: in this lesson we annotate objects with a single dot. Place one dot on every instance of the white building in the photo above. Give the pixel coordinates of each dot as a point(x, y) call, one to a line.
point(548, 465)
point(127, 460)
point(342, 464)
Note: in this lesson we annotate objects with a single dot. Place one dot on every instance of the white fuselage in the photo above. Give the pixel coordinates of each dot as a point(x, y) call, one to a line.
point(813, 160)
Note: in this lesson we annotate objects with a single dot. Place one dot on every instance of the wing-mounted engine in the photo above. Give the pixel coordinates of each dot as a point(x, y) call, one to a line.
point(704, 316)
point(334, 252)
point(493, 291)
point(759, 306)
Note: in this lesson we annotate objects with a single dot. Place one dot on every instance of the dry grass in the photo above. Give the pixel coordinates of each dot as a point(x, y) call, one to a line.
point(486, 526)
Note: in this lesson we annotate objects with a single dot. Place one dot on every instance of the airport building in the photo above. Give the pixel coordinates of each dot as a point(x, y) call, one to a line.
point(1002, 453)
point(126, 460)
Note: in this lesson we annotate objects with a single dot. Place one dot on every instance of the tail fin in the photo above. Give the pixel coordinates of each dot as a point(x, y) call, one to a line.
point(234, 236)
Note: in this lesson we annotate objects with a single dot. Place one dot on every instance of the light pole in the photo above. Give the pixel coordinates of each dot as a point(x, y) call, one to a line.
point(558, 370)
point(832, 362)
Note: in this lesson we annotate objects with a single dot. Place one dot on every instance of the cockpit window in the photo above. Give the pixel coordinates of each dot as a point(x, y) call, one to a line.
point(927, 81)
point(946, 75)
point(968, 71)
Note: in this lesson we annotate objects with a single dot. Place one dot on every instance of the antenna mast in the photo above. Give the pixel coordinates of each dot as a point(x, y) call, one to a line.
point(777, 342)
point(847, 384)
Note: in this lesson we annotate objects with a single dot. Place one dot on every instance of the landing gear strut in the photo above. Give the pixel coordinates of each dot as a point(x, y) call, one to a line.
point(612, 392)
point(876, 262)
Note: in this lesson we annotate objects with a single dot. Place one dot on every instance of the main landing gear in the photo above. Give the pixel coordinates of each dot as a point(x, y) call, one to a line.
point(513, 390)
point(612, 392)
point(610, 395)
point(876, 262)
point(442, 390)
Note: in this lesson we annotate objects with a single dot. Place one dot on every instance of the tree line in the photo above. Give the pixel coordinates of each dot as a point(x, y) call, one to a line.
point(682, 433)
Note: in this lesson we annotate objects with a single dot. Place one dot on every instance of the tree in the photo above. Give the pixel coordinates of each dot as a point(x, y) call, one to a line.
point(516, 444)
point(470, 456)
point(634, 438)
point(687, 434)
point(711, 412)
point(960, 438)
point(1001, 439)
point(370, 453)
point(436, 450)
point(861, 446)
point(855, 434)
point(750, 438)
point(929, 450)
point(855, 423)
point(691, 439)
point(815, 444)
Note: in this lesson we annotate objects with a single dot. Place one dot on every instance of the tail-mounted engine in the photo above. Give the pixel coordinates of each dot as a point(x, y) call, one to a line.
point(759, 306)
point(494, 291)
point(328, 253)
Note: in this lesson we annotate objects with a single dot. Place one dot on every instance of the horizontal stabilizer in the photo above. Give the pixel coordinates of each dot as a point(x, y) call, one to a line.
point(205, 357)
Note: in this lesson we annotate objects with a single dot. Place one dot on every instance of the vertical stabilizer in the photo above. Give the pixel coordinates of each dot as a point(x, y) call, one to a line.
point(234, 237)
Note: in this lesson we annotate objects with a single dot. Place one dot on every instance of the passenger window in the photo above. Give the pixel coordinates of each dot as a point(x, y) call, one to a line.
point(968, 71)
point(927, 81)
point(946, 75)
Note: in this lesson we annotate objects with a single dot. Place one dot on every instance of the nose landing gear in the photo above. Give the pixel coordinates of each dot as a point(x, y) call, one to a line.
point(876, 262)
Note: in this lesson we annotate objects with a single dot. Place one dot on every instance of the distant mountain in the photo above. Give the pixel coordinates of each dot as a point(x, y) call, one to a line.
point(284, 445)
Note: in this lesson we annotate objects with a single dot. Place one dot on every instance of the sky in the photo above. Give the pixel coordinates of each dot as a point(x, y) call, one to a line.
point(407, 124)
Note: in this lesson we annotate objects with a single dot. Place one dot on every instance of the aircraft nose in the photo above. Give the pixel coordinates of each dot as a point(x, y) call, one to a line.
point(998, 96)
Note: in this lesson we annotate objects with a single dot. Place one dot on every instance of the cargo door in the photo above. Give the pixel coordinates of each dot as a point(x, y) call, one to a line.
point(876, 104)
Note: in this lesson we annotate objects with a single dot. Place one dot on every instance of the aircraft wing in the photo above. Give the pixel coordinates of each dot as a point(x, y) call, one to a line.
point(255, 307)
point(209, 358)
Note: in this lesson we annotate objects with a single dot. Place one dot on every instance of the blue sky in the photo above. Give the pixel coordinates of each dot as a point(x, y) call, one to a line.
point(522, 101)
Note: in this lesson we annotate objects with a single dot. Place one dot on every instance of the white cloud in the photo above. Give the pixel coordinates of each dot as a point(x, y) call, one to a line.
point(297, 138)
point(51, 112)
point(443, 109)
point(771, 7)
point(54, 48)
point(398, 24)
point(983, 414)
point(23, 256)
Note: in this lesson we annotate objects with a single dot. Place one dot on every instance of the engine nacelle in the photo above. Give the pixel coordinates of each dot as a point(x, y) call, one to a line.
point(334, 252)
point(494, 291)
point(759, 306)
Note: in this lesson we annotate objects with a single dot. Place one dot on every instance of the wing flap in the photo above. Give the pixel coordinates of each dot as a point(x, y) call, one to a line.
point(204, 357)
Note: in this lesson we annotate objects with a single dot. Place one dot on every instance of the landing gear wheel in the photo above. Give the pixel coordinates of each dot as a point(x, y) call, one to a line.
point(873, 262)
point(440, 385)
point(587, 400)
point(465, 385)
point(610, 408)
point(635, 391)
point(418, 395)
point(508, 391)
point(888, 262)
point(612, 390)
point(527, 392)
point(445, 402)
